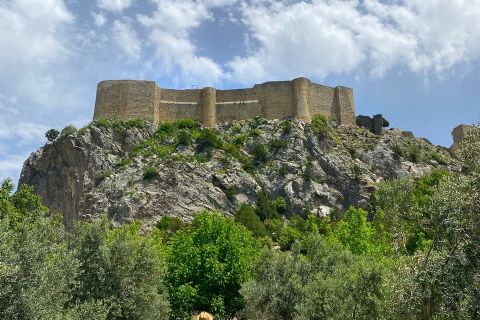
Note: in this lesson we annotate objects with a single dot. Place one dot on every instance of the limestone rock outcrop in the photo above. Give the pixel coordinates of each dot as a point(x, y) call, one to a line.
point(101, 169)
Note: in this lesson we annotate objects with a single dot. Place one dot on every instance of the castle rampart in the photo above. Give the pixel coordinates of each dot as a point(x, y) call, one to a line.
point(129, 99)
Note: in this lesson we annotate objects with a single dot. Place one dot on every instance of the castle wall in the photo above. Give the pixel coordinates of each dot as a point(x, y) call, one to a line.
point(301, 98)
point(320, 100)
point(277, 101)
point(126, 99)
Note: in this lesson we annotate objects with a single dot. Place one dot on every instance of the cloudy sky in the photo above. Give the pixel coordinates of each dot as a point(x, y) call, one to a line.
point(415, 61)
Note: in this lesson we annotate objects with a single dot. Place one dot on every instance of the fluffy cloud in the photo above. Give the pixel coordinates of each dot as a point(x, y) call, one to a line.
point(127, 39)
point(169, 32)
point(369, 38)
point(114, 5)
point(99, 19)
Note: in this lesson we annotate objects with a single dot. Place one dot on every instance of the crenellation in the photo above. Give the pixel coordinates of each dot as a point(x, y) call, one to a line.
point(300, 97)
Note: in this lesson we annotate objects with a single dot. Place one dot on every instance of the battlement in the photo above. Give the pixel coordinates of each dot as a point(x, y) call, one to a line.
point(130, 99)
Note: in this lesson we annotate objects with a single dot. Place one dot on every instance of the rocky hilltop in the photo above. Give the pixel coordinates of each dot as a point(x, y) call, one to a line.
point(137, 170)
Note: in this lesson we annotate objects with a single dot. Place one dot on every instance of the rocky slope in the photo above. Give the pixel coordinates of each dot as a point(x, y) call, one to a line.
point(131, 170)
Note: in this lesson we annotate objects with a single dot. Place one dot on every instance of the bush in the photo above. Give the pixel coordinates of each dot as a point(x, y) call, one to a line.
point(101, 123)
point(183, 137)
point(277, 144)
point(260, 152)
point(208, 139)
point(283, 170)
point(414, 153)
point(149, 173)
point(186, 124)
point(169, 226)
point(165, 128)
point(255, 132)
point(385, 123)
point(240, 140)
point(286, 126)
point(69, 129)
point(264, 206)
point(246, 216)
point(321, 126)
point(237, 129)
point(51, 134)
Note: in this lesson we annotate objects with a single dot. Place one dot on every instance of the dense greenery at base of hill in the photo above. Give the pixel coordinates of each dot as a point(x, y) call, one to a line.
point(412, 254)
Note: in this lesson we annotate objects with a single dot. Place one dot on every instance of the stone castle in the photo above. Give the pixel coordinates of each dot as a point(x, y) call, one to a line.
point(130, 99)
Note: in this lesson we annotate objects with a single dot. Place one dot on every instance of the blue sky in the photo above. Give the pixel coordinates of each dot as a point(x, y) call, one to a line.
point(416, 62)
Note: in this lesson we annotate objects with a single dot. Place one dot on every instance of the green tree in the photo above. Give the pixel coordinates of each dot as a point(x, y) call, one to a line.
point(436, 230)
point(278, 286)
point(37, 271)
point(358, 235)
point(246, 216)
point(51, 134)
point(207, 263)
point(119, 269)
point(264, 206)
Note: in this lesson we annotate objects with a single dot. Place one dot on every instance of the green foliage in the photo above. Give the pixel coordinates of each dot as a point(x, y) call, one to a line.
point(165, 128)
point(398, 150)
point(278, 286)
point(246, 216)
point(277, 144)
point(68, 130)
point(233, 151)
point(283, 170)
point(240, 140)
point(207, 264)
point(260, 152)
point(169, 226)
point(101, 123)
point(149, 173)
point(385, 123)
point(264, 206)
point(93, 272)
point(357, 235)
point(237, 129)
point(120, 269)
point(435, 156)
point(186, 124)
point(286, 126)
point(280, 205)
point(22, 209)
point(51, 134)
point(414, 153)
point(321, 126)
point(274, 228)
point(327, 283)
point(183, 137)
point(255, 132)
point(208, 139)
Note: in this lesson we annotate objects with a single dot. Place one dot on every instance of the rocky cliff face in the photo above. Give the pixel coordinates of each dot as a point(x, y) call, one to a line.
point(103, 167)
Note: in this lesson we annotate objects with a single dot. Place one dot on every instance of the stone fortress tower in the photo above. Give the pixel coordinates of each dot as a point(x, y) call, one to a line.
point(130, 99)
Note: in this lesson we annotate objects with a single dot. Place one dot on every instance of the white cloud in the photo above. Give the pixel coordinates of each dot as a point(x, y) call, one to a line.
point(99, 18)
point(169, 32)
point(331, 37)
point(127, 39)
point(114, 5)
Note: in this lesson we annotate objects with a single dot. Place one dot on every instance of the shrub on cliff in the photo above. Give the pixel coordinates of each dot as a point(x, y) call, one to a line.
point(208, 139)
point(51, 134)
point(69, 129)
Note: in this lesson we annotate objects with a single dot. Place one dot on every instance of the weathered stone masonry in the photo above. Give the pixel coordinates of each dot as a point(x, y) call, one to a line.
point(129, 99)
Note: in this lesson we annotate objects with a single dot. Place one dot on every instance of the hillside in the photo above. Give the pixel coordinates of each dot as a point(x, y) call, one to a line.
point(137, 170)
